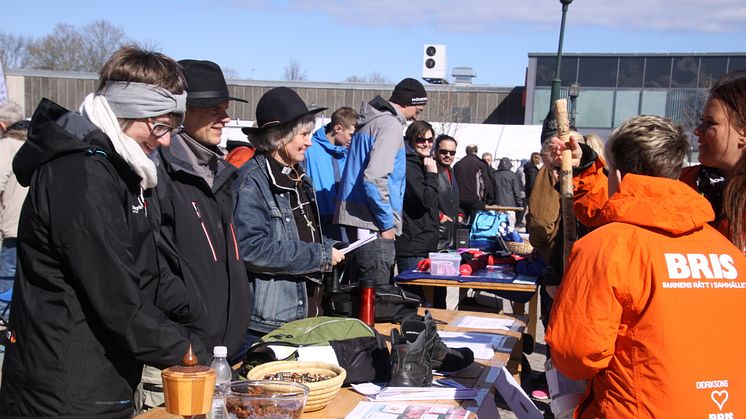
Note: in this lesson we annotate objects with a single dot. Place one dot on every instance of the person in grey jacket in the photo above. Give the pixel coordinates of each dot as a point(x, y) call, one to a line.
point(276, 216)
point(508, 188)
point(371, 192)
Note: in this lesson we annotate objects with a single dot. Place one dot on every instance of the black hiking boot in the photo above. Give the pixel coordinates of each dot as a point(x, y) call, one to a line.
point(410, 360)
point(443, 358)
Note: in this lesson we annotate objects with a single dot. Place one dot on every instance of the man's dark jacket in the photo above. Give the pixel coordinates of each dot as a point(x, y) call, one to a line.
point(420, 227)
point(83, 312)
point(530, 171)
point(204, 284)
point(448, 204)
point(474, 182)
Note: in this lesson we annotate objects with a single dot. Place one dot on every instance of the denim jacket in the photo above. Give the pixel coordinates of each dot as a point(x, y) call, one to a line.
point(277, 262)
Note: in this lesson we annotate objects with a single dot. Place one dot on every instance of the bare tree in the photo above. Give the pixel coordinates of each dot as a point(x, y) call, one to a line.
point(378, 78)
point(354, 79)
point(60, 50)
point(100, 40)
point(14, 50)
point(230, 73)
point(447, 114)
point(293, 71)
point(68, 48)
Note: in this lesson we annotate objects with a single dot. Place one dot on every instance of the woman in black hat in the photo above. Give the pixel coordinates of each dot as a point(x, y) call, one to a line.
point(276, 216)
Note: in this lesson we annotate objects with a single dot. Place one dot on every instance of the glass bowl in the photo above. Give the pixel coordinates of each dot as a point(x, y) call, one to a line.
point(265, 399)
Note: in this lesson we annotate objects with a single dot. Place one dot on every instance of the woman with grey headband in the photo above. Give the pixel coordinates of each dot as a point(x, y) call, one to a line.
point(84, 317)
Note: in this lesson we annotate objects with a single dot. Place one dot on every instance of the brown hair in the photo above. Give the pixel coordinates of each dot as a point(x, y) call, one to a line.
point(134, 64)
point(344, 116)
point(415, 130)
point(731, 90)
point(734, 207)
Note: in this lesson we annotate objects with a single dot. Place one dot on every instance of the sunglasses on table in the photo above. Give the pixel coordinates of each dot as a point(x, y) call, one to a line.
point(447, 152)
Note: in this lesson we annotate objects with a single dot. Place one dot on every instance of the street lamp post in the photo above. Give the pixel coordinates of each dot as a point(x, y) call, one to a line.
point(556, 83)
point(573, 92)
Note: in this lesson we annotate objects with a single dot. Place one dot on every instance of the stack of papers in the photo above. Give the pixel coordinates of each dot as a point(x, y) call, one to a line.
point(476, 322)
point(378, 394)
point(367, 410)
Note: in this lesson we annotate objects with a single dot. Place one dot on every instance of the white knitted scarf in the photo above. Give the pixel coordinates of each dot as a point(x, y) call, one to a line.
point(96, 109)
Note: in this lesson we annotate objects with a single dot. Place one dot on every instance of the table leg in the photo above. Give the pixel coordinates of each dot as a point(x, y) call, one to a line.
point(533, 315)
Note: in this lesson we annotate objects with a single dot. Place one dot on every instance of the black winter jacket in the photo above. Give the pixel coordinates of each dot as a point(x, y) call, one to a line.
point(420, 213)
point(203, 281)
point(530, 171)
point(448, 204)
point(508, 187)
point(83, 311)
point(474, 181)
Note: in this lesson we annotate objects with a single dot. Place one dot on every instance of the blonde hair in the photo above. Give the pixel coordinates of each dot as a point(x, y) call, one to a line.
point(648, 145)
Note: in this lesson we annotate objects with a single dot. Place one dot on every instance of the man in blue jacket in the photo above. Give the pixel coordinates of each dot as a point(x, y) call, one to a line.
point(371, 192)
point(325, 162)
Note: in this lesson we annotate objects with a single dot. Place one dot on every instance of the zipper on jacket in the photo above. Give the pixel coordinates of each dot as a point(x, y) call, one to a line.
point(235, 242)
point(204, 229)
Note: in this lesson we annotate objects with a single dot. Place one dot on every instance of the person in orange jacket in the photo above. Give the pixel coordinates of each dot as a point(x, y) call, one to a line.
point(722, 154)
point(645, 309)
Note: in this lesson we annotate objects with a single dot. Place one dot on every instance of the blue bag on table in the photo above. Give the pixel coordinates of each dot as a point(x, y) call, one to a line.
point(485, 230)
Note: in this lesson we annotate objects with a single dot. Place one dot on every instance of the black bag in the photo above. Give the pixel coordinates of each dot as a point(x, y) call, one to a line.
point(393, 304)
point(359, 349)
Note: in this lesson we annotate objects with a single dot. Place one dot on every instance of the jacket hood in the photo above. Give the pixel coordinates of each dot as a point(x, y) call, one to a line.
point(505, 164)
point(411, 154)
point(659, 203)
point(320, 140)
point(377, 108)
point(55, 131)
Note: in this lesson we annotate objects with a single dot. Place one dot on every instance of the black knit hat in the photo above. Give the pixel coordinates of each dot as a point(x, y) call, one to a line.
point(409, 92)
point(549, 127)
point(205, 84)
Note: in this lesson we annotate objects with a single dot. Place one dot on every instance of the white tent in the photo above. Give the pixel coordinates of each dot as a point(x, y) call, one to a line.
point(513, 141)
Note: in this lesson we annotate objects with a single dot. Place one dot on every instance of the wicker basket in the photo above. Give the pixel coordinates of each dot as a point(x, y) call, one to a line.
point(321, 393)
point(520, 248)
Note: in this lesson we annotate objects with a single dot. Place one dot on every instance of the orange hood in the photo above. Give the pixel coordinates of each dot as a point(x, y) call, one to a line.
point(638, 202)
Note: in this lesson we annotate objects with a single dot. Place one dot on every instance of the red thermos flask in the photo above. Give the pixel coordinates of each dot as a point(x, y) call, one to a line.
point(368, 302)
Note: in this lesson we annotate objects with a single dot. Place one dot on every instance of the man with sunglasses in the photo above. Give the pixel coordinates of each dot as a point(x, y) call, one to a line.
point(203, 280)
point(448, 193)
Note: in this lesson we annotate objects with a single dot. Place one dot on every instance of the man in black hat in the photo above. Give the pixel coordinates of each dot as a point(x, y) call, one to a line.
point(371, 192)
point(203, 279)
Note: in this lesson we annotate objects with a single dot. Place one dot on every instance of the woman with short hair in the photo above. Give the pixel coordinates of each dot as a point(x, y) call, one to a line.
point(276, 217)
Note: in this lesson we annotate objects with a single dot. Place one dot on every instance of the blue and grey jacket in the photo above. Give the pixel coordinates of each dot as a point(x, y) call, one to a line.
point(277, 261)
point(371, 192)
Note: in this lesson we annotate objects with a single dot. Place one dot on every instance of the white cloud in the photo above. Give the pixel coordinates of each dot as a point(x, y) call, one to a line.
point(491, 15)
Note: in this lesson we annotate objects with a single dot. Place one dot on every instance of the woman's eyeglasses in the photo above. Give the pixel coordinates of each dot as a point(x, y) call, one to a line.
point(421, 140)
point(160, 129)
point(447, 152)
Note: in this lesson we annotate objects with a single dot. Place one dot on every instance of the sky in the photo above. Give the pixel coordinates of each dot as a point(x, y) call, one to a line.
point(332, 40)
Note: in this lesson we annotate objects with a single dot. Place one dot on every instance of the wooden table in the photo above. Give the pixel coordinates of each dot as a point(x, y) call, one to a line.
point(480, 375)
point(485, 371)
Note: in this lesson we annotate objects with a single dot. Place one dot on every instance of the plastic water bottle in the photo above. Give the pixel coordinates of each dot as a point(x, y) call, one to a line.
point(223, 377)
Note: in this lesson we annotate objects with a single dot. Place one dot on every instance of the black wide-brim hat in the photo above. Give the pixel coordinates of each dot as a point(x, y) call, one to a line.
point(278, 106)
point(206, 85)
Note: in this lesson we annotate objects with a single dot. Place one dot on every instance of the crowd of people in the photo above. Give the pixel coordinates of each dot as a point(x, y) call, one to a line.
point(140, 236)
